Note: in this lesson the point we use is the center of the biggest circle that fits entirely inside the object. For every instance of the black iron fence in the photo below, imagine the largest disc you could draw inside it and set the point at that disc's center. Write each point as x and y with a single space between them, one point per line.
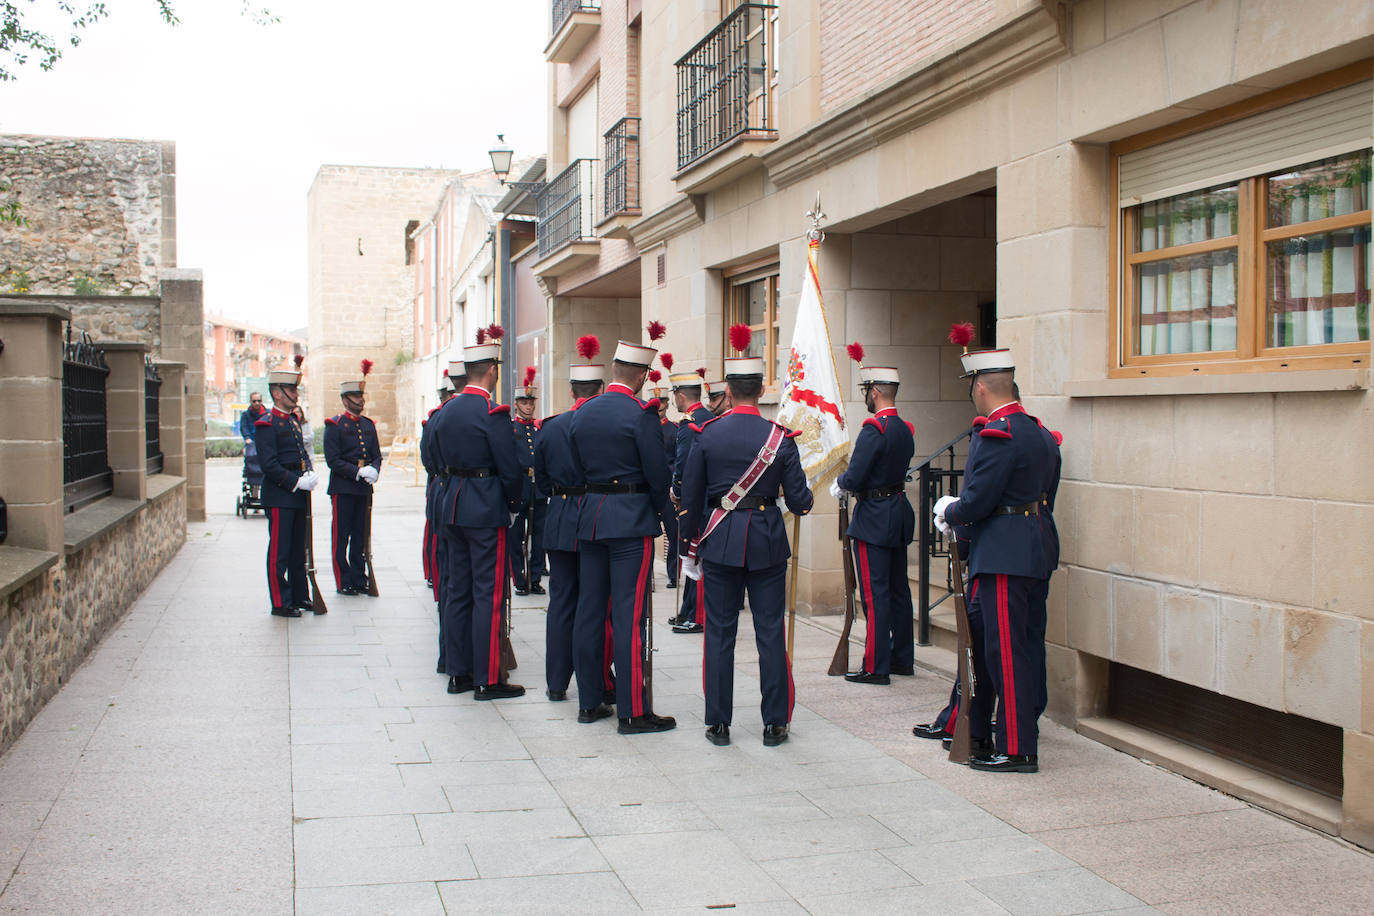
152 393
563 10
933 482
86 474
723 84
622 167
566 207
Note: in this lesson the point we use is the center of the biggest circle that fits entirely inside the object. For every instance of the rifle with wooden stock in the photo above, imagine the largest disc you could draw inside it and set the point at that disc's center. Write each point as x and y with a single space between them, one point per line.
316 599
508 663
367 551
961 747
839 664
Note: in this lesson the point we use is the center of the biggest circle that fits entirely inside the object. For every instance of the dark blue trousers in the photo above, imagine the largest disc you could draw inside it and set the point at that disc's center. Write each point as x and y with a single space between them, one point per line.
287 583
890 635
1039 621
614 572
347 539
725 587
558 625
535 561
474 599
1007 637
670 543
693 601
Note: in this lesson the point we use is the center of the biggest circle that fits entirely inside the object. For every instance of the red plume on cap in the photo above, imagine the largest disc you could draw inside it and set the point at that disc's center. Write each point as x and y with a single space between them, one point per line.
655 375
667 360
656 330
740 336
367 367
300 358
701 371
529 376
495 332
961 334
481 336
588 346
856 352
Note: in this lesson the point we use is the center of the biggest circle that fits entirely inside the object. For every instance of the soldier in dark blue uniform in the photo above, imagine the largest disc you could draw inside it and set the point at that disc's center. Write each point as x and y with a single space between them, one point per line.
659 394
455 376
687 386
617 446
526 571
287 482
481 490
1009 479
558 479
354 457
738 538
881 528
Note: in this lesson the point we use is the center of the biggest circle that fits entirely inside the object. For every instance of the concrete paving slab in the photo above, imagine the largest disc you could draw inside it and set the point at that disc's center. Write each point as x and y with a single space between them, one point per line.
848 872
417 899
595 893
1054 893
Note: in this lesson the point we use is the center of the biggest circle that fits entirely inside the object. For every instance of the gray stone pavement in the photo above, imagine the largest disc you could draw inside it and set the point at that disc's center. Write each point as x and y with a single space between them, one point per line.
211 758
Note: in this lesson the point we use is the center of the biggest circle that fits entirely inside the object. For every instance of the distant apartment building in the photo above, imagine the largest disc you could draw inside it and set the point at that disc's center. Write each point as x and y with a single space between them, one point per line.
238 357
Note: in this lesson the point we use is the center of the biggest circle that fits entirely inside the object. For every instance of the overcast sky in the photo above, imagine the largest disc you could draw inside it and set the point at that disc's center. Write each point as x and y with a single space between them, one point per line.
256 110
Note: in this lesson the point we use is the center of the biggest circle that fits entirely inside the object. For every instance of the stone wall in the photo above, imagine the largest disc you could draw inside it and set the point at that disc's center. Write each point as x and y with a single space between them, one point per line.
29 672
100 217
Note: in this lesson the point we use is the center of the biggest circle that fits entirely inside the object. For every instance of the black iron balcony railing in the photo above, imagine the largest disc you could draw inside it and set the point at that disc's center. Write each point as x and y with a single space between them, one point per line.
86 474
622 167
723 84
152 392
563 10
566 207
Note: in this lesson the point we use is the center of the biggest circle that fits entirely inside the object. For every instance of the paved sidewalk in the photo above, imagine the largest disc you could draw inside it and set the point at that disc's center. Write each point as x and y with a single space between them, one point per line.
211 758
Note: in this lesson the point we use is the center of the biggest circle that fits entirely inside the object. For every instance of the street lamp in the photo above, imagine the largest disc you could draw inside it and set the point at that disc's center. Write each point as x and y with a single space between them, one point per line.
501 155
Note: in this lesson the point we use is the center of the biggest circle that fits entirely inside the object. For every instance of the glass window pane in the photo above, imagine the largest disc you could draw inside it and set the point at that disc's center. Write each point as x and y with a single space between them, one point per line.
1194 217
1318 288
1332 187
1187 305
758 302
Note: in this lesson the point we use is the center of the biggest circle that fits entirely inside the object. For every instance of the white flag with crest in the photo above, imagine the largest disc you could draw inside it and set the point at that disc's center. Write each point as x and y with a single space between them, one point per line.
811 400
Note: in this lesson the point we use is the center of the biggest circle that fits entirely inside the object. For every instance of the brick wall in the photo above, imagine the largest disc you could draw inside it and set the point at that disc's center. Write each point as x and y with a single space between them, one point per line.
864 42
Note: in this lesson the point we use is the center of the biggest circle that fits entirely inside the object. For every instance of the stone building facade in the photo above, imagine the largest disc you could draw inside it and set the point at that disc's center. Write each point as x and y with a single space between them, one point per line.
1125 193
238 355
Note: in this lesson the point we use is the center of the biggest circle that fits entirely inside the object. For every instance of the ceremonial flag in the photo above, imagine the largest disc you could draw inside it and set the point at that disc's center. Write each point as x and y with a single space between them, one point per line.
811 399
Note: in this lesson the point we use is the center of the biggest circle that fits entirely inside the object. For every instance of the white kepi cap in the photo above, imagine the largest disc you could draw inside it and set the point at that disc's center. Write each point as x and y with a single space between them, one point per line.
283 377
586 373
743 366
878 375
479 352
986 361
685 380
457 369
634 354
355 387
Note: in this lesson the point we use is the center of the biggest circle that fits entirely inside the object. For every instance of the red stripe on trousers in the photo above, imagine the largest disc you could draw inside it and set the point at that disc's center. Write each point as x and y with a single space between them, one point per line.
953 715
425 551
701 601
1008 670
272 535
498 596
434 571
334 540
871 636
636 636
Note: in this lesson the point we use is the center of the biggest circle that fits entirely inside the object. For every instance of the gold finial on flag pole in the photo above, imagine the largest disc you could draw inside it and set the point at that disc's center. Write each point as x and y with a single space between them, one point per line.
817 216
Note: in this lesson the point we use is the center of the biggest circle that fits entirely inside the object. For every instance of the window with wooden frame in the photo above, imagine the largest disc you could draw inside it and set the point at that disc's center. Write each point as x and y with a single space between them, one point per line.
751 297
1243 236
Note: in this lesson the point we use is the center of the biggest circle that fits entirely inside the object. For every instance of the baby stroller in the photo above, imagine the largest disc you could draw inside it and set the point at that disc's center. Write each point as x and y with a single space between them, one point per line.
250 500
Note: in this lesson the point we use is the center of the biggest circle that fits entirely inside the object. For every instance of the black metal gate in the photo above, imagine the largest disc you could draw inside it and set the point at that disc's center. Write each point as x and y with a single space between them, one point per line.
152 392
86 474
933 482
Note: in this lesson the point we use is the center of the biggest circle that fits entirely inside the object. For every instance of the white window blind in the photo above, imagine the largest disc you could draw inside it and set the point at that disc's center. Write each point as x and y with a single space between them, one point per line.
1325 125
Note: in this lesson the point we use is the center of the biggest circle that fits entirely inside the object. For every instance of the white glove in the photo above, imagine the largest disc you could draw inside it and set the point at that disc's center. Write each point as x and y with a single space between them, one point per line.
835 489
942 525
943 503
513 517
690 567
367 474
308 481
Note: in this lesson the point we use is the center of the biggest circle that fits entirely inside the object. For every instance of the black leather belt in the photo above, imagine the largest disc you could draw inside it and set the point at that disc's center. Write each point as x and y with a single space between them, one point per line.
881 492
470 472
1023 509
748 502
568 491
294 465
617 488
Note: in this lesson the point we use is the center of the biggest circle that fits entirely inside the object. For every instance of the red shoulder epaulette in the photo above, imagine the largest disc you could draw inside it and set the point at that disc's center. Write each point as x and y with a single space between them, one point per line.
787 433
433 411
996 432
499 408
698 427
649 405
980 421
267 421
911 427
1058 436
424 422
876 424
332 421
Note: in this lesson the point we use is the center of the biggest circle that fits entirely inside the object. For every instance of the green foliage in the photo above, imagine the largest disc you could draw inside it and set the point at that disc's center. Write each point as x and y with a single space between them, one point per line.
404 356
228 447
10 209
17 281
86 285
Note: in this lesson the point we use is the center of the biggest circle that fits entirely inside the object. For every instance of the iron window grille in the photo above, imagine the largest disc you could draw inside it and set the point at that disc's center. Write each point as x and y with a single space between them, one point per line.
86 474
622 167
723 84
566 207
563 10
152 393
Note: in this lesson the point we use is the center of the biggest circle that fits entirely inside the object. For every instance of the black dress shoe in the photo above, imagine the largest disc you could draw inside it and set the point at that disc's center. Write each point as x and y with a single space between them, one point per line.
867 677
588 716
773 735
286 612
522 592
556 696
672 583
304 606
347 590
929 730
537 589
639 725
719 735
690 626
497 691
459 683
978 747
904 670
1005 763
608 697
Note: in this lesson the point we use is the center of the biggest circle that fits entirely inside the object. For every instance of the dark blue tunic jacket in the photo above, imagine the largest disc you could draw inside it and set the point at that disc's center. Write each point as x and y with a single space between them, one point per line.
349 439
880 459
284 457
723 451
615 439
696 415
554 466
470 433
